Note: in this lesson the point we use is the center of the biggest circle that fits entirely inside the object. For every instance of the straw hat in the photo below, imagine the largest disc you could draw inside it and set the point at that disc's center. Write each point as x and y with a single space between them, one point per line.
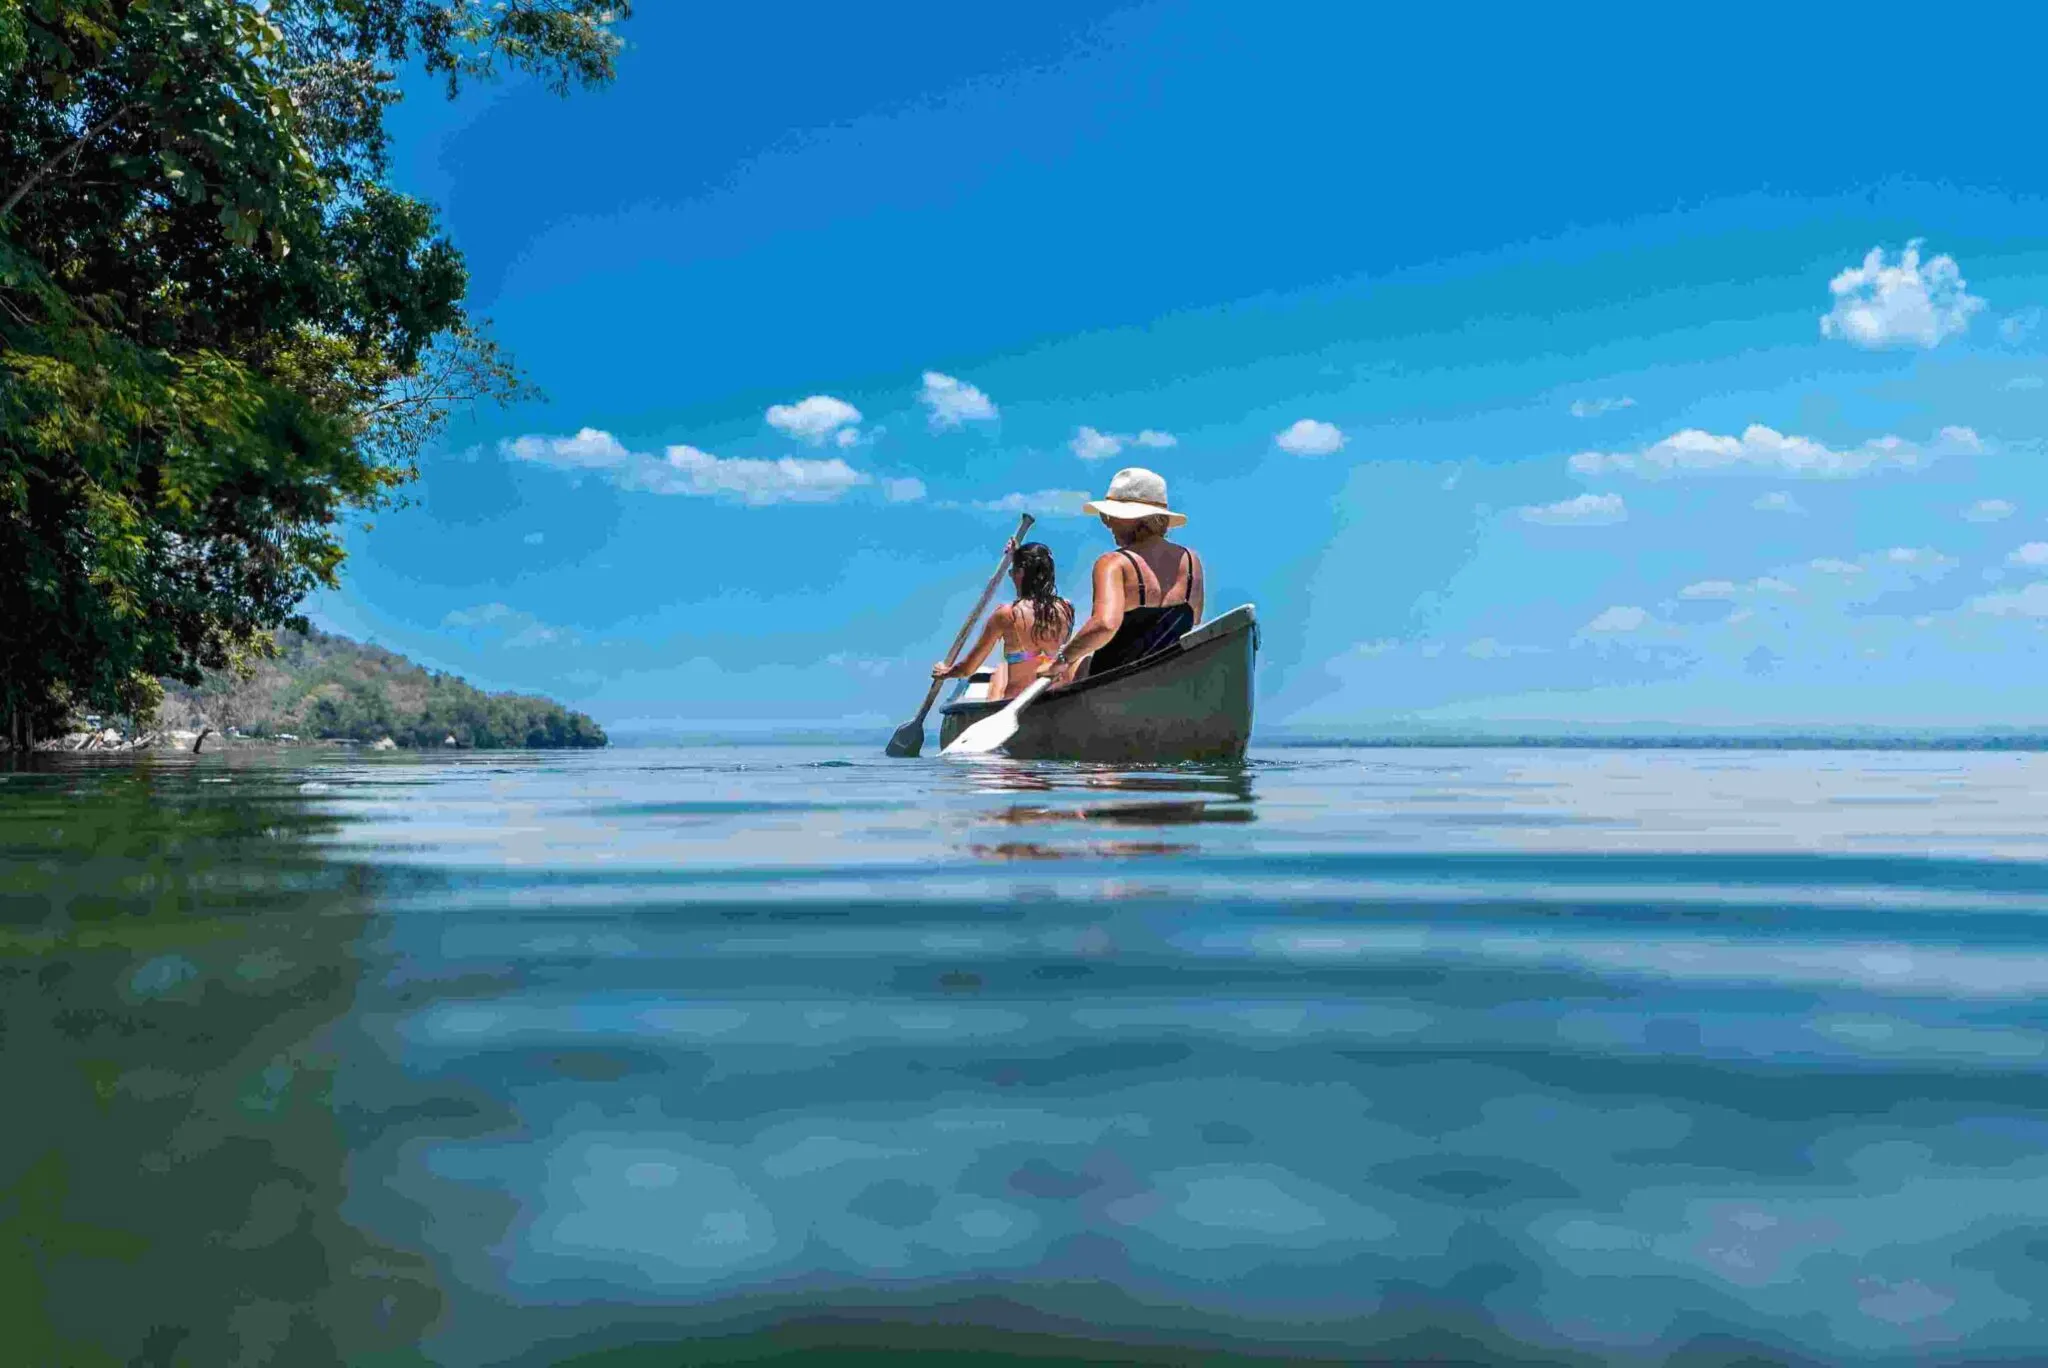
1135 492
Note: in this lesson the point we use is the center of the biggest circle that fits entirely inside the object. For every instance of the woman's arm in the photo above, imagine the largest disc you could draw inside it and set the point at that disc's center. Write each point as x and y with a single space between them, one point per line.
1196 578
998 626
1101 624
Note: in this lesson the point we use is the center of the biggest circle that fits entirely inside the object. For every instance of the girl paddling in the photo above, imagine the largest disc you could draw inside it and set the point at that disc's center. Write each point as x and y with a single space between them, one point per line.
1032 629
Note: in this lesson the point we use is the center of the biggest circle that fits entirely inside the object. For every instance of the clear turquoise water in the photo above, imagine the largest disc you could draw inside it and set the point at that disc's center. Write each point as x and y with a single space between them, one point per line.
1542 1056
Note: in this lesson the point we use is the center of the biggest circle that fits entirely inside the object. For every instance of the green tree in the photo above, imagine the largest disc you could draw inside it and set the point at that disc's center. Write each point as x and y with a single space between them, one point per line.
221 331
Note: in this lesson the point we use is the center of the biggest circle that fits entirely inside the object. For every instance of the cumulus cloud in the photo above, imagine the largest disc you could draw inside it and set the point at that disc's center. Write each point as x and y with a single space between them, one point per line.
1587 510
1619 619
1091 445
905 490
2032 556
1908 304
2031 602
1729 589
517 630
1828 565
684 470
816 420
1310 438
2019 325
1989 510
1593 408
1044 503
954 402
1762 450
1778 501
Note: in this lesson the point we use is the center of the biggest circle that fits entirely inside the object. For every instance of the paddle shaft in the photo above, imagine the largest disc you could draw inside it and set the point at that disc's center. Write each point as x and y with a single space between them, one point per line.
932 694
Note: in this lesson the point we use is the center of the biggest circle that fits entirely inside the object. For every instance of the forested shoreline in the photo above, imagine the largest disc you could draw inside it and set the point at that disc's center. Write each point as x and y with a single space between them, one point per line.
324 687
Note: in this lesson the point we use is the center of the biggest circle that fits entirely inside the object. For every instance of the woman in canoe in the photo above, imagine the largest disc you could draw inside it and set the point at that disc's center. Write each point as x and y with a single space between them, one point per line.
1148 592
1030 629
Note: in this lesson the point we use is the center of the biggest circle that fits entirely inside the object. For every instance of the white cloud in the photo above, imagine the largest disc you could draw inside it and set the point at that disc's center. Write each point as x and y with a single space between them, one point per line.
1593 408
534 538
816 420
2025 382
2031 601
589 449
1962 439
1383 646
1916 555
1620 618
1764 450
1778 501
2019 325
1310 438
953 402
1989 510
1880 305
1587 510
2032 556
1091 445
1728 589
1828 565
906 490
1045 503
518 630
685 470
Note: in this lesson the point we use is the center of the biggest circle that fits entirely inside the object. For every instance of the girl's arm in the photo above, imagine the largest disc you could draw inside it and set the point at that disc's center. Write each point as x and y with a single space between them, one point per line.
1101 624
998 626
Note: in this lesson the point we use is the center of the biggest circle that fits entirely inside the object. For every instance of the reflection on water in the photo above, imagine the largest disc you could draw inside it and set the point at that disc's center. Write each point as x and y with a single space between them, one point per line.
1382 1056
172 951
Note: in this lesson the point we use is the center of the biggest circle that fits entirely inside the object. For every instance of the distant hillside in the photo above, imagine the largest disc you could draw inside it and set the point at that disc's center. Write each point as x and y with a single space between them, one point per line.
333 688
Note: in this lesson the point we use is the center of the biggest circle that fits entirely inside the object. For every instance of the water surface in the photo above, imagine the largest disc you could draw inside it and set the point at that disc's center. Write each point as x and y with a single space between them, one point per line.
1514 1056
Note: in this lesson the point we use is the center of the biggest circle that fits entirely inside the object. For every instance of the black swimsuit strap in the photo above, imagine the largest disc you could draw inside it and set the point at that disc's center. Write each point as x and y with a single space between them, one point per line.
1136 568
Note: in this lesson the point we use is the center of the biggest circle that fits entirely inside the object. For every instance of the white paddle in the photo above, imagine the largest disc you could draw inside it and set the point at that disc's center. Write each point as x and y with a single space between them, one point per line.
991 733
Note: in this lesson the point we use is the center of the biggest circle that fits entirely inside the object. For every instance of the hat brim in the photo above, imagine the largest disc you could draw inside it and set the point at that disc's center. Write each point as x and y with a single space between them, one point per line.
1117 508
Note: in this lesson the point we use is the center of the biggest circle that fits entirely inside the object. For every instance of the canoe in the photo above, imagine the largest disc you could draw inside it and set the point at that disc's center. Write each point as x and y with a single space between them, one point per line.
1191 701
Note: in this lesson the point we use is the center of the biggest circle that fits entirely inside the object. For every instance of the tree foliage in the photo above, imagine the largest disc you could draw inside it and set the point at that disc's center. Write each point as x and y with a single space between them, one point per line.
221 331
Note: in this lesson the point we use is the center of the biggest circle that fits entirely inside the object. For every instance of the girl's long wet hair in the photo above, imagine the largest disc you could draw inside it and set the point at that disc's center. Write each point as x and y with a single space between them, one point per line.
1035 586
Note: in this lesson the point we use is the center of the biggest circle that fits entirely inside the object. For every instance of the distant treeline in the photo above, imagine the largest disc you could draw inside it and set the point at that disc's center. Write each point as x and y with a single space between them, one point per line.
328 687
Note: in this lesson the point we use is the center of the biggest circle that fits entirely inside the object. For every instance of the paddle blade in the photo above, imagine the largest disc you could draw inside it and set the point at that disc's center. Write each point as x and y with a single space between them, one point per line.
992 733
907 740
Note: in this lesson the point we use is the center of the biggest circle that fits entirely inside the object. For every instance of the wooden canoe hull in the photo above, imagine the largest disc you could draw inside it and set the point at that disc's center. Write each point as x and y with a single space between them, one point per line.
1192 701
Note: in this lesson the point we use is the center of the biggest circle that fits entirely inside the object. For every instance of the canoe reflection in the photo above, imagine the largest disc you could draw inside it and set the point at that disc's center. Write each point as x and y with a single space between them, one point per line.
1033 850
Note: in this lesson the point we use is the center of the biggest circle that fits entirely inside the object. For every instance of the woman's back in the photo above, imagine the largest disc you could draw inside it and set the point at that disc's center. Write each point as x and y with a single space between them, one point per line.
1162 600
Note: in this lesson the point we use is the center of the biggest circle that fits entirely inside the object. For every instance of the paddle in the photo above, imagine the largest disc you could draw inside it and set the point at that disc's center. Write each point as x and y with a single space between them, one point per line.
908 739
992 732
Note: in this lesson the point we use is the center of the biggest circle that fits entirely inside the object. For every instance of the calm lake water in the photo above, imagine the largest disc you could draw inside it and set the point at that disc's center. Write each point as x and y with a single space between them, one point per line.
1496 1056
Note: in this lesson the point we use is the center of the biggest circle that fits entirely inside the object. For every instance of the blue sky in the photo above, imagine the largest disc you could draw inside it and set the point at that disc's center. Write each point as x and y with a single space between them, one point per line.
1521 369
